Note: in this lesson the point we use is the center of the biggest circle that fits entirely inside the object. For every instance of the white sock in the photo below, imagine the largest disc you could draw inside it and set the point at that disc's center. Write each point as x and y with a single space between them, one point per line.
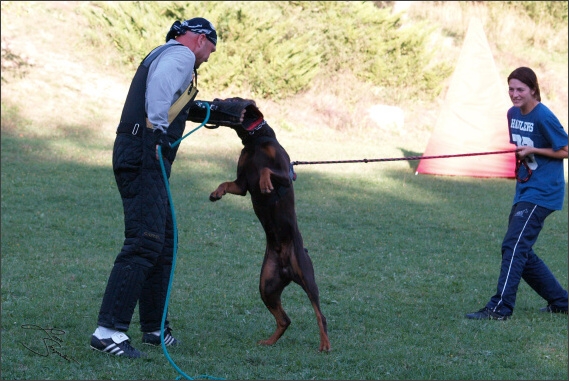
104 333
156 333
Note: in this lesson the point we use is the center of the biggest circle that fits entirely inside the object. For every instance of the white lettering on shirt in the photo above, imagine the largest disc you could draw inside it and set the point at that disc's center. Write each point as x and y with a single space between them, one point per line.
521 125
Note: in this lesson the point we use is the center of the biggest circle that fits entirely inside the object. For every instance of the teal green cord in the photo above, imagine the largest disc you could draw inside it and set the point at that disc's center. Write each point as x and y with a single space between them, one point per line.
182 374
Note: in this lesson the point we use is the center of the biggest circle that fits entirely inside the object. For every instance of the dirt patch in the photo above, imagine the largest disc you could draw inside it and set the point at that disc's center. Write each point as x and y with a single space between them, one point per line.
60 85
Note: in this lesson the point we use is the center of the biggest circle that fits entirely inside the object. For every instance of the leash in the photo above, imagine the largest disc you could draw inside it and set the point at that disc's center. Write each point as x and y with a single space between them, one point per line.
519 163
166 182
399 158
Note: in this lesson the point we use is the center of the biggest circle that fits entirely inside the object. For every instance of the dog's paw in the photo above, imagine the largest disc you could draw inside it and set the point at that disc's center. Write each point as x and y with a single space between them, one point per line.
265 181
325 347
266 342
219 192
214 196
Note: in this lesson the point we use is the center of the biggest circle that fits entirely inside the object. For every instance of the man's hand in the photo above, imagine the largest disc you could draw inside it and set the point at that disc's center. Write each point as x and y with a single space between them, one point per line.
162 142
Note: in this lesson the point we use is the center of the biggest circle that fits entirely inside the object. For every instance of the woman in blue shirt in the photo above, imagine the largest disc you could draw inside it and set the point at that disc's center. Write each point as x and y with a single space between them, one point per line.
541 147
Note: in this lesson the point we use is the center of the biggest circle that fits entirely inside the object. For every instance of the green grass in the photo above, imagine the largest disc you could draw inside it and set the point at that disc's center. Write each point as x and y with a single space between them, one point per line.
399 260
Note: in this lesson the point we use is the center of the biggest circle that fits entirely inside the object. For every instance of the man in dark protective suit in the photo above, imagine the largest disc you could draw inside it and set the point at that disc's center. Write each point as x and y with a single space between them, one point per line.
154 115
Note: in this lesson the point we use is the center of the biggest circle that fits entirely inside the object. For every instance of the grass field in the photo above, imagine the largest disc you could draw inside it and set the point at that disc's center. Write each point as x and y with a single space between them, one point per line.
399 260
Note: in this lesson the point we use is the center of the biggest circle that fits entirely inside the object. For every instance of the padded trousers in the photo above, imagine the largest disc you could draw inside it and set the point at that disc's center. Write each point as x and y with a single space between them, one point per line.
141 271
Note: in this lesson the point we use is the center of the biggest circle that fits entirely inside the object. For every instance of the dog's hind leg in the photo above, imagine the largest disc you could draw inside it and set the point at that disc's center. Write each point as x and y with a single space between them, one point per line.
271 286
305 278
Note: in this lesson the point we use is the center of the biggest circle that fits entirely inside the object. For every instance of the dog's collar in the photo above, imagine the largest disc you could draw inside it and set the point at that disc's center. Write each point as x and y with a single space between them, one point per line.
261 134
257 127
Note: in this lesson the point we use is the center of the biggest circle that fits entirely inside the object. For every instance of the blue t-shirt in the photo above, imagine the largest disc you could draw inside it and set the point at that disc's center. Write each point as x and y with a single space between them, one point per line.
540 128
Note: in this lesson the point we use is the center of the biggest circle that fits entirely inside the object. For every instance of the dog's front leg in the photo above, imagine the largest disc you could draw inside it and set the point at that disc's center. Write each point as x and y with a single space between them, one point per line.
224 188
265 182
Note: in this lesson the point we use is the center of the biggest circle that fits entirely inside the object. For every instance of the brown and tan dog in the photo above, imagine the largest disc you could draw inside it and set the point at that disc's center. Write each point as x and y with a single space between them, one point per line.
264 170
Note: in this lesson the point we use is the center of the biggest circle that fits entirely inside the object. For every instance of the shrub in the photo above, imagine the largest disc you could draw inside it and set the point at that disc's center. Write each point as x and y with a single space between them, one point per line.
275 49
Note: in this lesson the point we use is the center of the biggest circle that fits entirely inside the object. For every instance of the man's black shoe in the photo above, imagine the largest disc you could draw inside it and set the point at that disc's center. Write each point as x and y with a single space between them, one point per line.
486 314
553 309
152 339
118 345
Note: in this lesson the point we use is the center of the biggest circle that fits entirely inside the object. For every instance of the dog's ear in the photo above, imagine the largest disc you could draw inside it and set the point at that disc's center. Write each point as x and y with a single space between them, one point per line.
230 112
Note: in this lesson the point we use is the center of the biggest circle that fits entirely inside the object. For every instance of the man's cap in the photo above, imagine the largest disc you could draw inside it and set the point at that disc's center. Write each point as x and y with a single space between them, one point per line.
196 25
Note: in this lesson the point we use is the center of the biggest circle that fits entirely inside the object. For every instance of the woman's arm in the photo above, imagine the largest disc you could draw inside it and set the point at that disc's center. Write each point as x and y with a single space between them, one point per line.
524 151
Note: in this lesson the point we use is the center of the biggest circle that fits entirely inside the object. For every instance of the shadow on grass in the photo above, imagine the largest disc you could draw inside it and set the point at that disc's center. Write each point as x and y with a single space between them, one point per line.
389 249
413 164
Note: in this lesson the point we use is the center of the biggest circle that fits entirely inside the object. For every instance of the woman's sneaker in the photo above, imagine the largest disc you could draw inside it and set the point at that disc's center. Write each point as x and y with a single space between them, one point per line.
153 339
486 314
553 309
118 345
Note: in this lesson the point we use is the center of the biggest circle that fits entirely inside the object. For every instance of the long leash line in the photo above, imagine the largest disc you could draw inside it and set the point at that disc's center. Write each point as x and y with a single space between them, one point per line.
519 163
400 158
175 253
